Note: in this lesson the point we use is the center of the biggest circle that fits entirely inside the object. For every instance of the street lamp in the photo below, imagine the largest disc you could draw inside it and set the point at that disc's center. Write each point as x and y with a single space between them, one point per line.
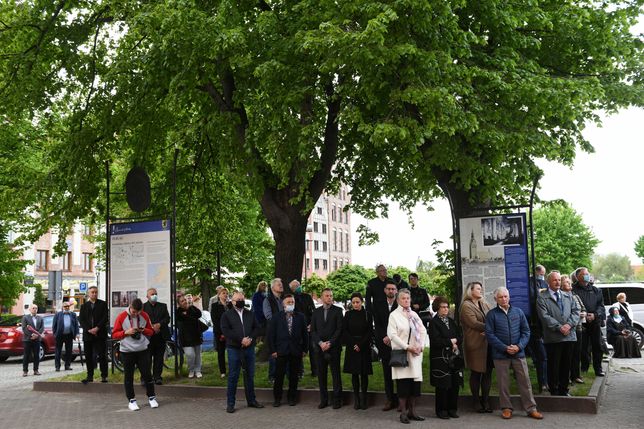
309 228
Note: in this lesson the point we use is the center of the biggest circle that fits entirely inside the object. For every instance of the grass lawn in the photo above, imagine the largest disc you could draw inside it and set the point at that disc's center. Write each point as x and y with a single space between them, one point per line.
212 378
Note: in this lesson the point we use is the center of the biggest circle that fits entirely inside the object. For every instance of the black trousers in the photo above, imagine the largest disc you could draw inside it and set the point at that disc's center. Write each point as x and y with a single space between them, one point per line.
156 350
575 358
96 347
559 358
333 361
68 340
31 352
293 363
446 399
385 355
142 361
591 345
220 346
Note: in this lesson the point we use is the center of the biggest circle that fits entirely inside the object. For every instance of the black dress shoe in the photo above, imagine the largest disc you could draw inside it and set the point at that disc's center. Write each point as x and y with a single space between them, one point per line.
87 380
404 419
337 405
416 418
600 374
323 404
292 402
158 381
255 405
103 379
452 414
443 415
230 409
68 368
277 403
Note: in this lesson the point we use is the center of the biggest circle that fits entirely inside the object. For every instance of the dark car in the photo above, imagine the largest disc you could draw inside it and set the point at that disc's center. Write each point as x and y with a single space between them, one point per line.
11 336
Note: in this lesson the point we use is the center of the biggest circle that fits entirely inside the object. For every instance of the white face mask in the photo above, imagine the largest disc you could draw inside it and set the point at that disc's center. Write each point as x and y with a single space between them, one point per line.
289 308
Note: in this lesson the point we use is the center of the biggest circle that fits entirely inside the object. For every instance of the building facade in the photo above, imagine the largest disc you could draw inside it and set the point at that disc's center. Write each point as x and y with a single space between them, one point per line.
328 236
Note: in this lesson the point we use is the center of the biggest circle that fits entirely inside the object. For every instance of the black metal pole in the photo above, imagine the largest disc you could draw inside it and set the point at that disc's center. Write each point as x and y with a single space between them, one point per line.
218 267
173 265
531 291
108 283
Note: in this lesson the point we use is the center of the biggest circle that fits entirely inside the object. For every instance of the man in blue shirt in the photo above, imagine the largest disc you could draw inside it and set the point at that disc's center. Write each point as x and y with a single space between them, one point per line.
65 329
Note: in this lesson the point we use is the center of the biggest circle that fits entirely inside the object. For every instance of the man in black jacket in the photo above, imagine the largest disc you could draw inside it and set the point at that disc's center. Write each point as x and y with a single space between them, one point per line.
160 318
240 328
593 300
94 318
32 329
376 288
304 304
419 296
287 341
381 313
326 330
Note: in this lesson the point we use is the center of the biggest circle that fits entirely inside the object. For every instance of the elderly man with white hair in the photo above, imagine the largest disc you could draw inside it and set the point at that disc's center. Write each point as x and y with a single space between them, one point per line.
32 329
507 332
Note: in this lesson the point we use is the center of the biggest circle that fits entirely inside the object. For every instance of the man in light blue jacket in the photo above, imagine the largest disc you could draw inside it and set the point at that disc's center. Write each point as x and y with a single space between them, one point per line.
559 316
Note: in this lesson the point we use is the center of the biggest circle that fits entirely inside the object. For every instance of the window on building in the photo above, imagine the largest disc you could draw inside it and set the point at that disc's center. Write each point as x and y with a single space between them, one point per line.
333 212
67 261
87 230
324 249
324 228
42 258
307 244
319 210
346 217
346 262
316 263
335 264
341 241
335 240
340 214
87 262
325 265
308 264
316 245
346 241
315 227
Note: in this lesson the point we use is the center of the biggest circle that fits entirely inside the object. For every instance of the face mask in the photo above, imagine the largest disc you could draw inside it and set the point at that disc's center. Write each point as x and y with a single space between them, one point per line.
299 289
586 278
289 308
540 277
239 304
154 298
66 310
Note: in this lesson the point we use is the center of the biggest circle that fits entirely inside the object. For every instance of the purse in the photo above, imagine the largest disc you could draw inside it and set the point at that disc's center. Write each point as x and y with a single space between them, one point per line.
399 357
375 353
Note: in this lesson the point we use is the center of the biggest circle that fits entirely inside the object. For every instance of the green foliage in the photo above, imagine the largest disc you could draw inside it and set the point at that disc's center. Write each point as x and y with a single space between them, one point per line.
11 271
561 239
639 247
443 275
612 268
315 284
39 297
348 279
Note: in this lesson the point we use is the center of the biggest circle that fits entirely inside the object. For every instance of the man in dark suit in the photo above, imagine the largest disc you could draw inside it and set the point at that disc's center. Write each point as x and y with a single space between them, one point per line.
326 330
381 311
94 319
65 329
160 318
287 341
32 329
375 288
240 328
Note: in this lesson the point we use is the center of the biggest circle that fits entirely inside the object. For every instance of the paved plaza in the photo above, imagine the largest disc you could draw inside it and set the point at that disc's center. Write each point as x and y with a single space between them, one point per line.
20 407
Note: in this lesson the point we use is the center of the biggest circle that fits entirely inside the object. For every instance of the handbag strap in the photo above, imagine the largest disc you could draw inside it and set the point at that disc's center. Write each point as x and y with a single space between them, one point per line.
409 336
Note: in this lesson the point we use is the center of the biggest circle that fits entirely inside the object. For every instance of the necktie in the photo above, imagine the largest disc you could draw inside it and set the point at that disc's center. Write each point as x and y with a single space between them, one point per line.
325 311
559 301
289 320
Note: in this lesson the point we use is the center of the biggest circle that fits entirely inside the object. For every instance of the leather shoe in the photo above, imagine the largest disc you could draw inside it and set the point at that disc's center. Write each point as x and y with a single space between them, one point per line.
292 402
535 415
404 419
600 374
388 406
87 380
103 379
255 405
336 405
443 415
36 373
507 413
416 418
24 374
322 404
230 409
68 368
452 414
277 403
58 369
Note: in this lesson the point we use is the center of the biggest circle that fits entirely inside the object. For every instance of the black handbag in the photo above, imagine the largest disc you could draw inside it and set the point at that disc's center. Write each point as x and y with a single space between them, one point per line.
455 361
399 357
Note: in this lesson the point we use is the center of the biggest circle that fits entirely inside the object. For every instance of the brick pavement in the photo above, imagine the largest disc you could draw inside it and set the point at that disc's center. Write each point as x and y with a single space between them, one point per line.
622 407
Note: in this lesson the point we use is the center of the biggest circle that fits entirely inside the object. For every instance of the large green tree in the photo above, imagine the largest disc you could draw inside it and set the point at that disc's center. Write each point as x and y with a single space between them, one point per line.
561 239
11 271
612 267
639 247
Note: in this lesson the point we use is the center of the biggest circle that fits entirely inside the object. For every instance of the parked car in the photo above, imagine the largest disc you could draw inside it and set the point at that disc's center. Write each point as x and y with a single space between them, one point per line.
11 336
634 296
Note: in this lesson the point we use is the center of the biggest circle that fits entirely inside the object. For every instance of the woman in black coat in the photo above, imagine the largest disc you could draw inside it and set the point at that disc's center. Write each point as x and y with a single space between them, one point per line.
190 335
218 308
446 371
618 333
357 328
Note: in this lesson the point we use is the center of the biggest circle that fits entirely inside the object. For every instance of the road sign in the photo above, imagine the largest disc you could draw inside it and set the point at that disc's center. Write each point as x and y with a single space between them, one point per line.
82 287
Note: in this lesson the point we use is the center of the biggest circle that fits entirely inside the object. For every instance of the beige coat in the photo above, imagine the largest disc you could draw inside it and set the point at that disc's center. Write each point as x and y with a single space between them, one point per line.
398 332
474 344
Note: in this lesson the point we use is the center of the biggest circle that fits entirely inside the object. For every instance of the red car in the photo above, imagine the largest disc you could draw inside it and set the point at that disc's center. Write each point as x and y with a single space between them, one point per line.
11 336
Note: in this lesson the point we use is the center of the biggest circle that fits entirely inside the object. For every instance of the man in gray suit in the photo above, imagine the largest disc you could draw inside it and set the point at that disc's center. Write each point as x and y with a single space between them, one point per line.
32 329
559 315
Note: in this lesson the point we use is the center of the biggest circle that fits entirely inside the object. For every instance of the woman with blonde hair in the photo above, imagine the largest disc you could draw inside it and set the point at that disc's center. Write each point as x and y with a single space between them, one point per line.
218 308
477 359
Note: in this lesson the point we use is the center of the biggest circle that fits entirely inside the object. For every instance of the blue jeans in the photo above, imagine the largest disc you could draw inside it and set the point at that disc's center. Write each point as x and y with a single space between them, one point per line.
235 358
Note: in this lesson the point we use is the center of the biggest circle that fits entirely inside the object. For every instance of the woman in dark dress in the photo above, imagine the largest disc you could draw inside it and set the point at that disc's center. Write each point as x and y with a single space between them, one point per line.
618 332
445 340
357 330
216 310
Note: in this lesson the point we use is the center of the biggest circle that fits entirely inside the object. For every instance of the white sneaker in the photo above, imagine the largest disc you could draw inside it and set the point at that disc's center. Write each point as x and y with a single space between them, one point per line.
198 374
191 374
153 402
223 375
133 406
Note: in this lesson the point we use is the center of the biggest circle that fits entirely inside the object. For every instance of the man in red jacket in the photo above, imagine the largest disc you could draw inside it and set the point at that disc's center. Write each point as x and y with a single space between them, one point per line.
133 328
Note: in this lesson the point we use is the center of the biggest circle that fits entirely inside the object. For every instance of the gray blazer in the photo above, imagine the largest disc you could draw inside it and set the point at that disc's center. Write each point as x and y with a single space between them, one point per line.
552 318
27 320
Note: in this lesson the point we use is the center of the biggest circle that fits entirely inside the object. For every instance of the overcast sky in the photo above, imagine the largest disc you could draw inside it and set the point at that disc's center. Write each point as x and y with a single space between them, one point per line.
605 187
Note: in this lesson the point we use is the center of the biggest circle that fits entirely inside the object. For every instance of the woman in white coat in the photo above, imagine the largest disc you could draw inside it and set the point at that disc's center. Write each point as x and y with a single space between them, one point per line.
406 332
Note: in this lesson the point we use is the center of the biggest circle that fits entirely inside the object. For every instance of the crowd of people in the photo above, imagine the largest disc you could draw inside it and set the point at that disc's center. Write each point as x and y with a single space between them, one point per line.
389 325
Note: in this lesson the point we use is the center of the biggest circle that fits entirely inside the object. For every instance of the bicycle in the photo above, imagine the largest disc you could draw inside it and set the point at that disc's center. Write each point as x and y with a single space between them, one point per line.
171 348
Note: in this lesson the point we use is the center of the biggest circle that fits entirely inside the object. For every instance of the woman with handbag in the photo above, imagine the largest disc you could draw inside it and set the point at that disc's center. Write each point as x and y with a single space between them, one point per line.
407 335
445 359
190 335
357 333
475 347
218 308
